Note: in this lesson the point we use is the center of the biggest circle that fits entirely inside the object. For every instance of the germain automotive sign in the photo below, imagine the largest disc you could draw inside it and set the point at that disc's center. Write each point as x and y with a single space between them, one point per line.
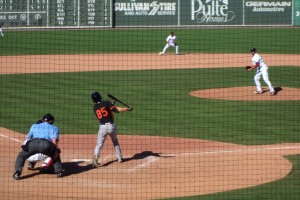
268 6
268 12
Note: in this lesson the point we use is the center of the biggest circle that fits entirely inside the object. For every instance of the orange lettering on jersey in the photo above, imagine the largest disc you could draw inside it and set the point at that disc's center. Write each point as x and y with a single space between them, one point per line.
102 112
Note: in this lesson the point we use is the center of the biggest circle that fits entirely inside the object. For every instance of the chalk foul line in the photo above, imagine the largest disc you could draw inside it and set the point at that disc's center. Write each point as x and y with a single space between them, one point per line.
151 159
13 139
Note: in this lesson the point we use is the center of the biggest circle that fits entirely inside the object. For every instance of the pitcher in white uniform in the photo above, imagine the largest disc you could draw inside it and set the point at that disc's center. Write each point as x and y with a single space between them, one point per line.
171 42
262 70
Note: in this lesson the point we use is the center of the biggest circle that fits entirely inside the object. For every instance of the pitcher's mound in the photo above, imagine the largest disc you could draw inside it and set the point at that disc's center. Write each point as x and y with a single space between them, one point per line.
247 94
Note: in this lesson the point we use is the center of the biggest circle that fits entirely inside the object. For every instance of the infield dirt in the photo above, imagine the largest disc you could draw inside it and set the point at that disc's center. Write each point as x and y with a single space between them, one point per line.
154 167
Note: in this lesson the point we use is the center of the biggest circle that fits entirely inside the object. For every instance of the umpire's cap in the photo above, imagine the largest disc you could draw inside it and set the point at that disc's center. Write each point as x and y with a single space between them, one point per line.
48 118
96 96
253 50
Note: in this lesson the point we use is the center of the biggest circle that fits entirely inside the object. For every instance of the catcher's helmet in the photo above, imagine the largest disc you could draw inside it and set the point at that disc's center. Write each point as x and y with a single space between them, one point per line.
96 96
48 118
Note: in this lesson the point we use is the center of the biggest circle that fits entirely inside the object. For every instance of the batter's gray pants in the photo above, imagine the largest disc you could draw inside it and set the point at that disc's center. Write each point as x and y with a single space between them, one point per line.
111 130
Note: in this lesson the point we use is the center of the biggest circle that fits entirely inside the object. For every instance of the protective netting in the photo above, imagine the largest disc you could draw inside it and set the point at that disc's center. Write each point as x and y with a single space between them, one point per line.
184 118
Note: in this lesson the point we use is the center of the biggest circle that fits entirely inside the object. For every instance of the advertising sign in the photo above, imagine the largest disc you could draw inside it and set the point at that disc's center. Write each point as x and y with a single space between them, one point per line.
148 13
212 12
268 12
145 12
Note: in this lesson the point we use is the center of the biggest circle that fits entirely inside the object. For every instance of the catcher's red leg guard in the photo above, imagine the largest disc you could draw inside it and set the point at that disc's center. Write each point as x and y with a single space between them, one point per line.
47 163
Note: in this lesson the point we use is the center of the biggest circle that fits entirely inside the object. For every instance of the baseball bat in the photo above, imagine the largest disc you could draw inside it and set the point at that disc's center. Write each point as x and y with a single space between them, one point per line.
116 99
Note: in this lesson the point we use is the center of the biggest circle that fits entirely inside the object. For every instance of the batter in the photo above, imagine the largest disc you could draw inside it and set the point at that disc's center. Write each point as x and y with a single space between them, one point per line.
104 113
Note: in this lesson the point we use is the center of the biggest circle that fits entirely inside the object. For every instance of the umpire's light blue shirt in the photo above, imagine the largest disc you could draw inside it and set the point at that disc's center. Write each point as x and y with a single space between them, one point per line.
43 131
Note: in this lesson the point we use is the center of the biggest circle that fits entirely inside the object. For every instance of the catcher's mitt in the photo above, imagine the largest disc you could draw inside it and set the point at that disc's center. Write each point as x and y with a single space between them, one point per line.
247 67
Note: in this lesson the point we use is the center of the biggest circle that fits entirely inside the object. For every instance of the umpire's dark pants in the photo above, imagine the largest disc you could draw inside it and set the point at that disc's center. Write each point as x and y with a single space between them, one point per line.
37 146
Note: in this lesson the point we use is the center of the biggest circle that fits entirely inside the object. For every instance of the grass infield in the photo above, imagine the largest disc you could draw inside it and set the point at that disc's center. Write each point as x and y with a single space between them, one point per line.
161 101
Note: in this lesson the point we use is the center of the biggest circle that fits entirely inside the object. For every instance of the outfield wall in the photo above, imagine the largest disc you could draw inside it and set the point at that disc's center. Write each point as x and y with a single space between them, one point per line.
296 14
139 13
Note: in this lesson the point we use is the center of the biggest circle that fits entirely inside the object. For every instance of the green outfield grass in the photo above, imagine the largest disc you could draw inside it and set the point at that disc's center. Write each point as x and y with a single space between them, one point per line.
161 101
222 40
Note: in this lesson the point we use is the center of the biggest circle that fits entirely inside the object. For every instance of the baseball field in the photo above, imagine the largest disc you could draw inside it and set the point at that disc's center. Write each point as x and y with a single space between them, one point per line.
197 131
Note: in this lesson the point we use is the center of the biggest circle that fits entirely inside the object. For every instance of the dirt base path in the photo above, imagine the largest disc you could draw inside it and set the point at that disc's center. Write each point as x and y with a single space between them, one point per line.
154 167
107 62
96 62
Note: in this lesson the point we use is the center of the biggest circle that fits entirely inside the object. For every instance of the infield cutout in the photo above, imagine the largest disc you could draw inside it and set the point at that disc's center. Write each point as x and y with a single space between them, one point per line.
205 166
247 94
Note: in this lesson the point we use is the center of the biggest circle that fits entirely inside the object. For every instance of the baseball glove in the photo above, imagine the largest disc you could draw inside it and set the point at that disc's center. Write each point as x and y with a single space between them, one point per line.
247 67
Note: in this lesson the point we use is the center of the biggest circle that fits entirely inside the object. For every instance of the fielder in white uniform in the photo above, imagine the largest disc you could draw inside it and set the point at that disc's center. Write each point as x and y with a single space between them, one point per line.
171 42
262 70
1 32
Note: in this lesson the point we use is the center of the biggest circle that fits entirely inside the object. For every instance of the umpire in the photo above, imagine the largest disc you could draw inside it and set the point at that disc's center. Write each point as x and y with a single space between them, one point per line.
42 138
